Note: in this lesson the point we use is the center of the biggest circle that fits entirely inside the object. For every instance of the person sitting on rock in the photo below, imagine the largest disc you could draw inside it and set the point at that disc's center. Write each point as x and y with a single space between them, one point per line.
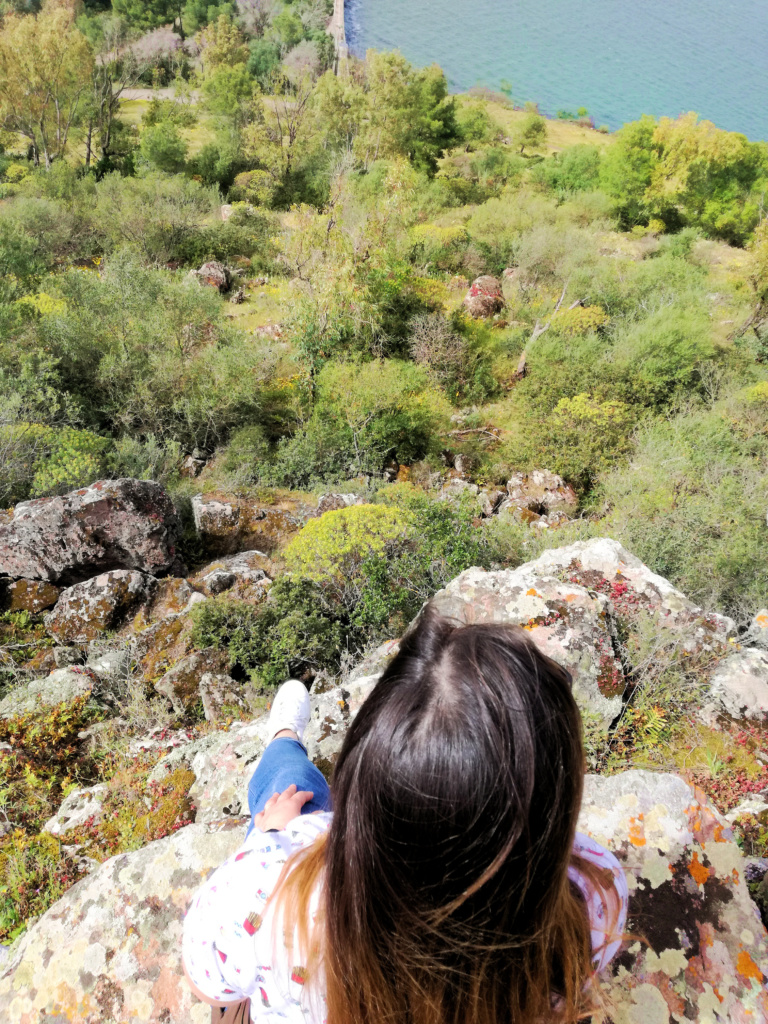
449 884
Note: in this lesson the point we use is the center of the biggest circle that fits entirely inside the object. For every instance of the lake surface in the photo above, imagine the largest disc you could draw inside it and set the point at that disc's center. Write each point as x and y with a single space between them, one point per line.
617 58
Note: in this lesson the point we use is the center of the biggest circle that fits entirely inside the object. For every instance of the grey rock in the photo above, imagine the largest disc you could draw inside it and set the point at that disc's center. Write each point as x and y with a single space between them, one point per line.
76 809
113 524
221 696
103 602
110 949
739 685
65 684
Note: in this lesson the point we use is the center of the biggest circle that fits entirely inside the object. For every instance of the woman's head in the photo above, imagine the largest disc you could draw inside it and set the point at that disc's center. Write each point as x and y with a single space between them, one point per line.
456 795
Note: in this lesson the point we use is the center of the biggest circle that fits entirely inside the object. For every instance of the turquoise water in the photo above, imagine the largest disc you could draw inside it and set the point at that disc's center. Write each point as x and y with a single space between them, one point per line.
618 59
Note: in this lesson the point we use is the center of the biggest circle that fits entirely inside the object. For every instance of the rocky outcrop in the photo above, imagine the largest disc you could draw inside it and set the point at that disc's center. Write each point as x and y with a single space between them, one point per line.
61 686
541 492
110 949
214 275
246 576
181 684
739 686
484 297
87 609
113 524
227 525
333 502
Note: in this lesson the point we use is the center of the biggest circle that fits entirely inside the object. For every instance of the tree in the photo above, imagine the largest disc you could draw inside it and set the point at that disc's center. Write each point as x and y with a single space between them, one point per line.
117 68
45 72
532 132
221 43
149 14
163 147
408 112
198 13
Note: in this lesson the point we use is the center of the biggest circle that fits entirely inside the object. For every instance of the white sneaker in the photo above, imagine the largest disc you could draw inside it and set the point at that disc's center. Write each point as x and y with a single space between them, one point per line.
290 709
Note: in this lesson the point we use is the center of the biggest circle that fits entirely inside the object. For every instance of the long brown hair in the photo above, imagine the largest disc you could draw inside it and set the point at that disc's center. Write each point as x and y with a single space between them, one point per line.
445 891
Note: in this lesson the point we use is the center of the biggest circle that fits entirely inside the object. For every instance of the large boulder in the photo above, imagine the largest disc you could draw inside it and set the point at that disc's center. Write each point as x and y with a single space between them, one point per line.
59 687
87 609
113 524
246 576
181 684
739 686
227 524
484 297
696 948
110 949
215 275
696 951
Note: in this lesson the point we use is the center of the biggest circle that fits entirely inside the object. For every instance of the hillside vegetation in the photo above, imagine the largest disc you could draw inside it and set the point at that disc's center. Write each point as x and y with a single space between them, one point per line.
350 214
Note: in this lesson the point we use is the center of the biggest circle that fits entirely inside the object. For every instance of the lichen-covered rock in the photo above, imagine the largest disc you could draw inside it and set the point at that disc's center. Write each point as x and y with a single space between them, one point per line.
170 596
697 950
215 275
63 685
33 596
332 711
181 684
246 576
113 524
333 502
222 763
80 806
540 491
110 949
103 602
739 686
567 622
484 297
226 525
222 697
161 645
604 565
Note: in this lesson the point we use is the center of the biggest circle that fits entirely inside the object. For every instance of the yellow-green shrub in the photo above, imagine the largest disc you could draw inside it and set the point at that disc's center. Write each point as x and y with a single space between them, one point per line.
335 544
580 320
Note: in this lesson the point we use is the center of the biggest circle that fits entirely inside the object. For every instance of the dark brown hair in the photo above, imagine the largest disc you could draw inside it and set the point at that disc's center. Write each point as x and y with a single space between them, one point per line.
446 897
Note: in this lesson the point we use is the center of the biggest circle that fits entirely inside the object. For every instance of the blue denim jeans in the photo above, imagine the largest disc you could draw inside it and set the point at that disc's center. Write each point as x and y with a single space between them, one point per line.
285 763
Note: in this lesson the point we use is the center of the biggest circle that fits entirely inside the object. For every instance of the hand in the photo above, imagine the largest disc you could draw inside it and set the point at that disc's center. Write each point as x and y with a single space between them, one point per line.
281 808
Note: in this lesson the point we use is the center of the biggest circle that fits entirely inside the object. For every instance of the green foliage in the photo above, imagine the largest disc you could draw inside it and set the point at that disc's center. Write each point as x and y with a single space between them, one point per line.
363 413
295 632
264 60
168 111
576 169
335 545
35 872
692 503
532 133
163 147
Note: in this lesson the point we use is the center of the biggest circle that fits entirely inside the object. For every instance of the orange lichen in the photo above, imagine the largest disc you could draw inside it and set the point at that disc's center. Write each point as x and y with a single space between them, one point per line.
637 831
698 872
532 592
747 967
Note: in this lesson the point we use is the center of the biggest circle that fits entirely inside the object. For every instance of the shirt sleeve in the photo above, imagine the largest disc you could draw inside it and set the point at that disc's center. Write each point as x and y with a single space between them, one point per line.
606 904
226 912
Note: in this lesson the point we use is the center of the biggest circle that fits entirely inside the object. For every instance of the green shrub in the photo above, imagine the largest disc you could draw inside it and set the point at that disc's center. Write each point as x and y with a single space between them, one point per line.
294 633
576 169
333 546
163 147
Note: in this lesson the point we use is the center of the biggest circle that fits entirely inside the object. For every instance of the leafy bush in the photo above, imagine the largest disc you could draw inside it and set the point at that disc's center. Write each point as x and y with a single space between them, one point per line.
580 320
163 147
294 633
49 460
333 546
576 169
